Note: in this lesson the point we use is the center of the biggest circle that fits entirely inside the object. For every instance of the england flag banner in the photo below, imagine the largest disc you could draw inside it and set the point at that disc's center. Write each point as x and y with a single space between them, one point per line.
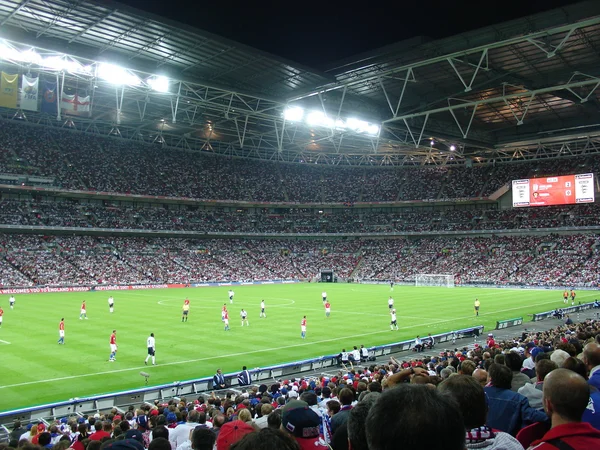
75 104
29 93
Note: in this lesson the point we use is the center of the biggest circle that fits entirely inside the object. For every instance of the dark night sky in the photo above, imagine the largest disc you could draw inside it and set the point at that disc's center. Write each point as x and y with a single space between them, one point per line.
316 33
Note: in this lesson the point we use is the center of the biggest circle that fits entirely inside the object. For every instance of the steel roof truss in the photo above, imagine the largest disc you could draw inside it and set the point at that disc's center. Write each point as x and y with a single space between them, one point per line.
512 106
543 46
590 92
484 57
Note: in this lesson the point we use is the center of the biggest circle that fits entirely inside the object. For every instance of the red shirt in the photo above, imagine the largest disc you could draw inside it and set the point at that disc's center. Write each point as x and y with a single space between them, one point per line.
226 316
186 302
303 323
113 338
327 305
224 308
83 305
61 326
1 312
99 435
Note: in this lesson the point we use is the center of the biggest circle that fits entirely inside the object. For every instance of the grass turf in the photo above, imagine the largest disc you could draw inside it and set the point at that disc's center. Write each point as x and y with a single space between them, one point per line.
36 370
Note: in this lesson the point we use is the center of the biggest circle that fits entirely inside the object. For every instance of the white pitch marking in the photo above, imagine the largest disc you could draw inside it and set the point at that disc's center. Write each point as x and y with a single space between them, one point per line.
4 342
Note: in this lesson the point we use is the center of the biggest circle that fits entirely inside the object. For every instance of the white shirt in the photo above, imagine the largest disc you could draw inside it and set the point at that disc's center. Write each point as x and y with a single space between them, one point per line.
231 293
391 301
324 294
262 305
151 342
243 314
181 433
356 355
418 341
393 317
110 300
11 299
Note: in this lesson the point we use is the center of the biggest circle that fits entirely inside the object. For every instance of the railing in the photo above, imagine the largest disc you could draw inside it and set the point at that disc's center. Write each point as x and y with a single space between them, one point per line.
564 311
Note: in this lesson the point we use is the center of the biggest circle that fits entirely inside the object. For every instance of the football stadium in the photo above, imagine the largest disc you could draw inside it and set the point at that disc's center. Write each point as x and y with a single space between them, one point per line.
205 245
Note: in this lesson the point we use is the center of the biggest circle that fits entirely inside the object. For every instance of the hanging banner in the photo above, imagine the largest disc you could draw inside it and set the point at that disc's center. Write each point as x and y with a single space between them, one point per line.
75 104
29 93
9 90
49 97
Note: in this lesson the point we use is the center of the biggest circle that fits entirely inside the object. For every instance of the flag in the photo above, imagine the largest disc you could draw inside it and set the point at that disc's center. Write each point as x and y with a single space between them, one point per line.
9 90
75 104
49 98
29 93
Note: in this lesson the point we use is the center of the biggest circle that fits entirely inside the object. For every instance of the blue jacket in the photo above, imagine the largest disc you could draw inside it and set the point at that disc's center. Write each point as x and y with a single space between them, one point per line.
591 414
595 380
510 411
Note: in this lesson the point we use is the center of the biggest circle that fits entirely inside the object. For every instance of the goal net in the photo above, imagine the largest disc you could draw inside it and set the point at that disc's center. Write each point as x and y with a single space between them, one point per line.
434 279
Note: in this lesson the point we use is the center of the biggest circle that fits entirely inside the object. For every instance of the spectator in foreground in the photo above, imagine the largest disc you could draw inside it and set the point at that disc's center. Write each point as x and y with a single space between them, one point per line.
508 411
566 396
533 392
412 416
267 439
303 424
591 358
470 396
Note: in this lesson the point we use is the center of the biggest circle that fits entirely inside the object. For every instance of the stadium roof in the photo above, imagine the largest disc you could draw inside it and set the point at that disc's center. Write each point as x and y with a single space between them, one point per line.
522 89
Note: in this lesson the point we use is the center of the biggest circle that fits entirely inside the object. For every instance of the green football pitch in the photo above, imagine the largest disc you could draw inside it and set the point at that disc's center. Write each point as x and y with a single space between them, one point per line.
36 370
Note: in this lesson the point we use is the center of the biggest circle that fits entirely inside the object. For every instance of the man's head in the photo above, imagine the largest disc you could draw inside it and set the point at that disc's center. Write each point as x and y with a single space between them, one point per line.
203 438
356 422
480 376
566 396
513 361
543 368
500 376
591 355
411 415
346 396
467 367
470 396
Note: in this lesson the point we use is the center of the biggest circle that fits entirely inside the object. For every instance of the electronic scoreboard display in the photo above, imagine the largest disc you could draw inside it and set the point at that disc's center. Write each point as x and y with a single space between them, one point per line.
560 190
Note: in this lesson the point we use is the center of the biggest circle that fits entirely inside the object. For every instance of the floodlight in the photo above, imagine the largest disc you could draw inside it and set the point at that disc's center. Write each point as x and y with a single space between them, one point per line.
452 148
117 75
30 56
293 114
159 83
8 52
373 129
432 142
318 118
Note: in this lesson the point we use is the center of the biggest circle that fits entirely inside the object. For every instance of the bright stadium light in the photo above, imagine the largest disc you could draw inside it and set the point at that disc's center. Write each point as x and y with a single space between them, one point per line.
30 56
319 119
293 114
117 75
373 129
158 83
452 147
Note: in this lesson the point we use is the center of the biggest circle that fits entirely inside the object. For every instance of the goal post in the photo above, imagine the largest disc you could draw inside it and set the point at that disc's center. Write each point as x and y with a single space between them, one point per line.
434 279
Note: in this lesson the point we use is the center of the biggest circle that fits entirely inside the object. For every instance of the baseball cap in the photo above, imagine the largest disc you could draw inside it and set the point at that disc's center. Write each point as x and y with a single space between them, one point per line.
302 422
231 432
142 421
135 434
530 345
293 394
536 351
171 417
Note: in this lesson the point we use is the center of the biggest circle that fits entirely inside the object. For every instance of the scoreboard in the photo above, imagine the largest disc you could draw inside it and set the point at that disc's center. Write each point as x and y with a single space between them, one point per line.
560 190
